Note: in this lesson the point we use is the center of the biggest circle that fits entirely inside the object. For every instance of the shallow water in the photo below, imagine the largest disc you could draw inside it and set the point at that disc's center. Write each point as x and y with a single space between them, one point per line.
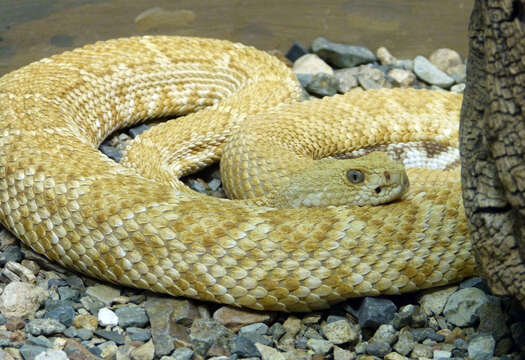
32 29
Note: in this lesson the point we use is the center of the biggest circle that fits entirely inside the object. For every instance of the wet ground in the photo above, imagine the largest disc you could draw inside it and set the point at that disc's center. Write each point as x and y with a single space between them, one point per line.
32 29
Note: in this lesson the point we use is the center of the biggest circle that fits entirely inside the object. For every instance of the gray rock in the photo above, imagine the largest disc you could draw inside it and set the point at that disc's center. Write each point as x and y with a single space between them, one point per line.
108 350
276 331
137 130
459 73
103 293
111 336
431 74
405 343
401 77
159 311
3 320
481 345
91 304
295 51
341 55
244 347
132 315
39 341
421 335
434 300
375 311
183 353
76 283
422 351
347 80
319 346
269 353
323 84
67 293
64 314
45 327
206 332
340 332
403 317
11 253
257 328
30 352
138 334
385 333
378 348
111 152
405 64
52 354
458 88
492 319
462 306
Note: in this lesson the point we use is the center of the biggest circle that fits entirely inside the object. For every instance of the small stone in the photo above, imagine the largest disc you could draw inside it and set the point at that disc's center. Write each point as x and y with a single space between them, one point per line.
458 88
422 351
39 341
384 56
138 334
31 351
341 55
295 52
206 332
421 335
132 315
340 332
323 84
14 323
269 353
21 299
256 328
244 347
444 59
110 335
385 333
67 293
107 317
404 316
375 311
481 345
234 319
276 331
111 152
91 304
144 352
183 353
459 74
405 342
137 130
23 273
319 346
64 314
406 64
108 350
341 354
3 320
402 78
431 74
45 327
378 348
52 354
462 306
292 325
11 253
311 64
103 293
395 356
442 354
347 80
86 321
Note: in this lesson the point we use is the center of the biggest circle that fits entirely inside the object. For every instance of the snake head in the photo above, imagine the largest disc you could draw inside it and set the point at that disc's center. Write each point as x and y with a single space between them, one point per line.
373 179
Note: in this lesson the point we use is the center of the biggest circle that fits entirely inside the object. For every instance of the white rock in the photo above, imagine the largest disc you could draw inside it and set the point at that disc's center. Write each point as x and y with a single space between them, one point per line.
445 59
107 317
21 299
402 78
269 353
52 354
384 56
311 64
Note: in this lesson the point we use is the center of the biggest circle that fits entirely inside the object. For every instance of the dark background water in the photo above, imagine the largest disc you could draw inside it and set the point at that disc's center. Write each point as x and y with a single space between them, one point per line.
32 29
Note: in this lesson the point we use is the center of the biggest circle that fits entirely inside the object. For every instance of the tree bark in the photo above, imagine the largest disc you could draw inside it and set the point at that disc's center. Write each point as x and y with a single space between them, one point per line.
492 143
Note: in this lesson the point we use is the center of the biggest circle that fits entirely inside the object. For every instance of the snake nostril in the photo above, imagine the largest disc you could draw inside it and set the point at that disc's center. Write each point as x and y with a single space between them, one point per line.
378 190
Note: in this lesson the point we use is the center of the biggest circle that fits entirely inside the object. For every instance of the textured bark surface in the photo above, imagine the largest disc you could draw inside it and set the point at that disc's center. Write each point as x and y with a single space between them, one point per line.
492 143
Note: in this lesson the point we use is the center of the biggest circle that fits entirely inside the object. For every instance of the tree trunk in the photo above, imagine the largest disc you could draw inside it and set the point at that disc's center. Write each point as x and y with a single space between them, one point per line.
492 143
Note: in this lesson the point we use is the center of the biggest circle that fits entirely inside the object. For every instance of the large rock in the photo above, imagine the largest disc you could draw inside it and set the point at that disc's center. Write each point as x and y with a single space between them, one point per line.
21 299
492 144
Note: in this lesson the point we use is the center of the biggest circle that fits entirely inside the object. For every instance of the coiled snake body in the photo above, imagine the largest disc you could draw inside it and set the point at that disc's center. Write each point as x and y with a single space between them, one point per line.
68 201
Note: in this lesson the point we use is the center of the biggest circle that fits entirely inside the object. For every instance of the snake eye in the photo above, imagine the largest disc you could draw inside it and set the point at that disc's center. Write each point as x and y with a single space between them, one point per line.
355 176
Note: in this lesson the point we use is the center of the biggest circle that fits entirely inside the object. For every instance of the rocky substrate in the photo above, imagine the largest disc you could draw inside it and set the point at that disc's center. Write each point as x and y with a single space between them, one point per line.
47 312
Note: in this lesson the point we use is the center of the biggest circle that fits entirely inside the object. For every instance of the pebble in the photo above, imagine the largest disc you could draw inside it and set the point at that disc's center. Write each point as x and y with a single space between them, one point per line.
347 80
111 152
103 293
430 74
405 342
21 299
462 306
30 352
85 321
110 335
108 350
458 88
311 64
384 56
39 341
45 327
207 332
269 353
234 319
322 84
144 352
11 253
65 314
131 315
319 346
402 78
481 345
183 353
52 354
295 51
340 332
341 55
433 301
421 351
375 311
138 334
107 317
445 59
244 347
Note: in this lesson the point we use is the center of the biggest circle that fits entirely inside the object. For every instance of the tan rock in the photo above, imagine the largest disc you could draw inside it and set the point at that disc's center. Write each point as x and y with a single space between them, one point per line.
445 59
86 321
311 64
384 56
21 299
144 352
234 319
402 78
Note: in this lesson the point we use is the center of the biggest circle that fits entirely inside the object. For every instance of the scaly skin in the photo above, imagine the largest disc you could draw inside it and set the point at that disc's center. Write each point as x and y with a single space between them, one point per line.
68 201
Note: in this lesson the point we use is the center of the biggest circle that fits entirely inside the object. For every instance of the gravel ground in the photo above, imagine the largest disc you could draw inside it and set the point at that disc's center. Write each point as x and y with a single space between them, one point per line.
47 312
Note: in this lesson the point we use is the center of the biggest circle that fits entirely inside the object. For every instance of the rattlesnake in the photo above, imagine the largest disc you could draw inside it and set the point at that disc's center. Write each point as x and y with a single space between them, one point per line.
65 199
